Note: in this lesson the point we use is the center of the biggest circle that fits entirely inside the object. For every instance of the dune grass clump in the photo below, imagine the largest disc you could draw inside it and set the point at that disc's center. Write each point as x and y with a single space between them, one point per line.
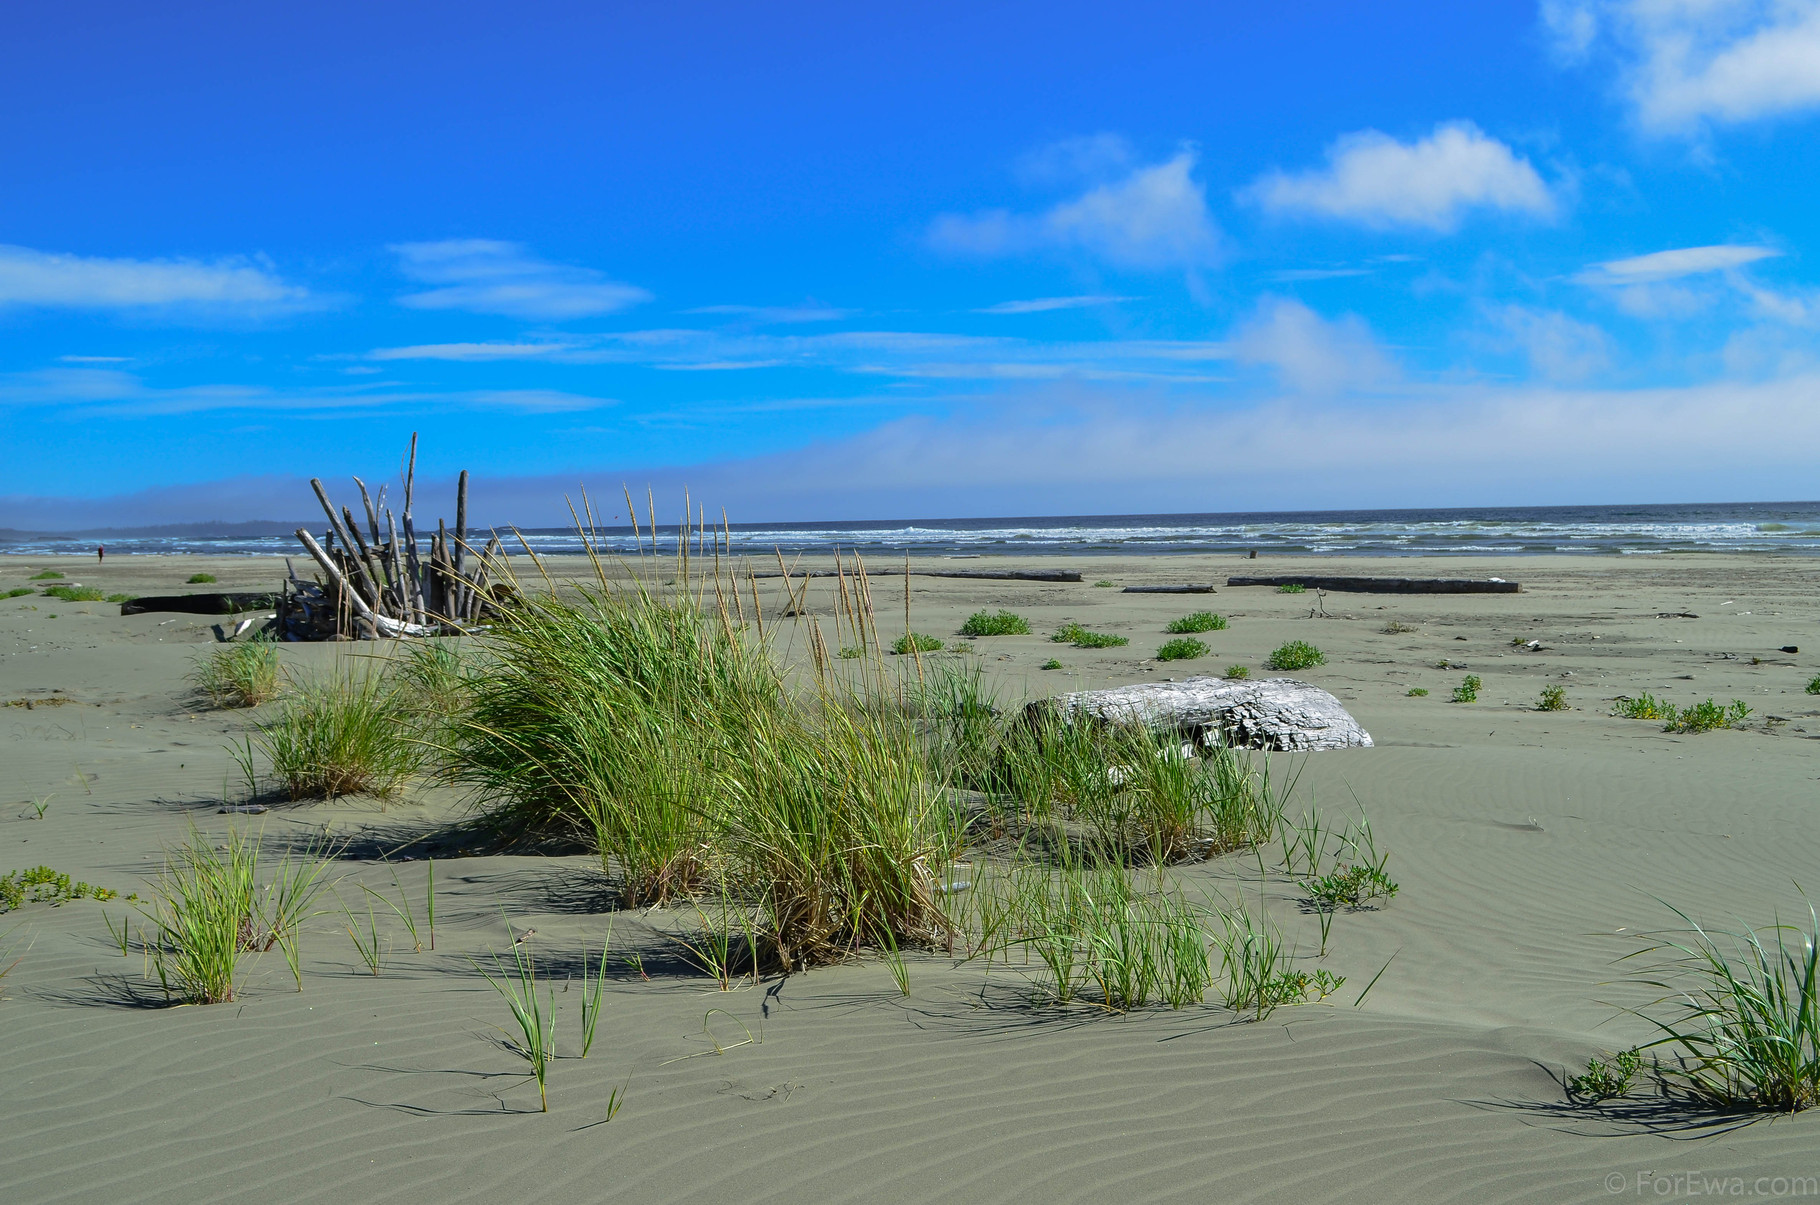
1292 588
197 579
1745 1017
915 642
43 885
1081 638
1182 648
1200 621
1296 654
17 592
202 918
239 675
46 576
76 593
1000 623
347 732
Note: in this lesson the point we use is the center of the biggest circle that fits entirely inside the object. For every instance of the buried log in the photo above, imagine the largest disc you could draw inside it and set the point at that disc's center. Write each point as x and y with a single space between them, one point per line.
1273 713
1384 585
990 575
218 603
1168 590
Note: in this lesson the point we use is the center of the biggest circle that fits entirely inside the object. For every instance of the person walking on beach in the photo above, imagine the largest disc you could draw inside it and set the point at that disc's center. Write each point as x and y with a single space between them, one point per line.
101 552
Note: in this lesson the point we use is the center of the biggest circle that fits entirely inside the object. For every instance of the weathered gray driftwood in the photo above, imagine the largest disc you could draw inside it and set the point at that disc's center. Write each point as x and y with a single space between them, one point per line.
1384 585
1273 713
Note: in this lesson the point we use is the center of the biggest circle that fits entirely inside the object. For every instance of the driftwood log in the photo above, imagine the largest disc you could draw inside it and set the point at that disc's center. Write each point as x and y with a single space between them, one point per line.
1384 585
377 582
1167 590
993 575
217 603
1274 713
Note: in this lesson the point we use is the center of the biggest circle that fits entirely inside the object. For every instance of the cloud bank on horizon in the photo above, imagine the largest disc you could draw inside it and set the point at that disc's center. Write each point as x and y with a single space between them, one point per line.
1141 262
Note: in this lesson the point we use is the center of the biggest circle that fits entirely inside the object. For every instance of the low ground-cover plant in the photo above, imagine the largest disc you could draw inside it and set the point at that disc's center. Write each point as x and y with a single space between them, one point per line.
76 593
1350 886
1417 692
915 642
1742 1013
1296 654
1468 689
1707 715
1397 627
1103 583
999 623
1292 588
239 675
1081 638
197 579
45 576
1237 673
1813 685
1553 698
1182 648
1605 1079
1052 663
17 592
1642 707
1200 621
43 885
350 731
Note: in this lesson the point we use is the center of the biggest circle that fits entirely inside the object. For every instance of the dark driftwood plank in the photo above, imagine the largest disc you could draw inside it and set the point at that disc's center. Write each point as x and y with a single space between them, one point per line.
200 604
1167 590
1006 575
1382 585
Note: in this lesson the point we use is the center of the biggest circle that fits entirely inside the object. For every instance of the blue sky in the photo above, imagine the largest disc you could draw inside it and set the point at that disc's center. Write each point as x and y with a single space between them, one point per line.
826 262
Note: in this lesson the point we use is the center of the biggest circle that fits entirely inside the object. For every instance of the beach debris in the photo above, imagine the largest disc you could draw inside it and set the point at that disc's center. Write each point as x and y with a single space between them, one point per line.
1168 590
216 603
378 583
1385 585
1791 648
1676 615
1269 713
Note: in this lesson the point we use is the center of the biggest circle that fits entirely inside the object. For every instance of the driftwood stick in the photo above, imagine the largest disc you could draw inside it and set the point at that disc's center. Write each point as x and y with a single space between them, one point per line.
367 588
412 560
372 515
335 576
397 557
461 517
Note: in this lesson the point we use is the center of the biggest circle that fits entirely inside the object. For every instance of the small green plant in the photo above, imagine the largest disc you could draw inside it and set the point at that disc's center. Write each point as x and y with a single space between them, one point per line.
1103 584
1813 685
47 575
42 885
1237 673
197 579
118 598
1001 623
1604 1080
1297 654
17 592
1706 716
1643 707
915 642
76 593
1081 638
536 1018
1554 698
1349 886
1182 648
591 988
1417 692
1200 621
1292 588
1397 627
349 733
239 675
852 652
366 946
1256 967
203 919
1468 689
1052 663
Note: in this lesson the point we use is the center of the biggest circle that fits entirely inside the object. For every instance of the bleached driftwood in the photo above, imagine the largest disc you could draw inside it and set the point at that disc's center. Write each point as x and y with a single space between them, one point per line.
1273 713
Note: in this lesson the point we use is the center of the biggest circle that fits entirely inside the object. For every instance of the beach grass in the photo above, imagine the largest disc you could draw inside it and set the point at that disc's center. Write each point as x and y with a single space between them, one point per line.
44 576
1294 655
17 592
197 579
203 917
1081 638
347 731
76 593
239 675
1200 621
534 1016
912 643
1742 1013
995 623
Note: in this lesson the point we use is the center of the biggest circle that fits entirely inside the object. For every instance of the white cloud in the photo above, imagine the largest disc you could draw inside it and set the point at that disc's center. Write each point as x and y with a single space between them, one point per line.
472 351
808 311
487 276
1559 348
1309 353
1432 183
1674 264
52 280
1044 305
1687 64
1153 219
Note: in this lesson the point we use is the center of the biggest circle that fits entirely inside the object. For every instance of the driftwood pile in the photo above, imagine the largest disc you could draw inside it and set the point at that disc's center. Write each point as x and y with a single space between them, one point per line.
377 584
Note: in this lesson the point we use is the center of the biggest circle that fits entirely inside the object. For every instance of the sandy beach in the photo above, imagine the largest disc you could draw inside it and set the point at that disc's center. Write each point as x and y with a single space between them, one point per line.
1531 849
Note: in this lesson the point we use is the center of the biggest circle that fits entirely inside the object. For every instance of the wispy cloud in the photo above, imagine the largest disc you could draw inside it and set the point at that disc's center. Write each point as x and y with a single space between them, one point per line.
1432 183
1557 346
113 392
1312 354
487 276
1672 265
1689 63
473 351
52 280
1153 219
765 315
1292 275
1043 305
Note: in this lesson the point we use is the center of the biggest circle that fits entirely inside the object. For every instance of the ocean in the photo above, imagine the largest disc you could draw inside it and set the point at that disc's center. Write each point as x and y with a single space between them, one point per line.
1730 527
